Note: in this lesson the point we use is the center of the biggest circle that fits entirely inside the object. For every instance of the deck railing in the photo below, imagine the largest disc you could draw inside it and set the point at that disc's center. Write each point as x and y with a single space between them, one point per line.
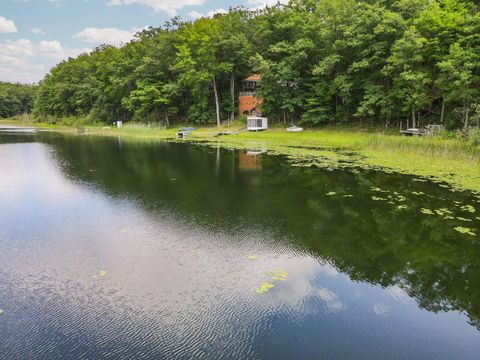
247 93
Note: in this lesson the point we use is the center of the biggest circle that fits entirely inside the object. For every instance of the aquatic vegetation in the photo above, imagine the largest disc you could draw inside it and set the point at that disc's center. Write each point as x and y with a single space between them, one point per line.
331 193
443 211
347 196
468 208
378 198
264 287
278 275
379 190
100 274
464 230
464 219
418 193
402 207
426 211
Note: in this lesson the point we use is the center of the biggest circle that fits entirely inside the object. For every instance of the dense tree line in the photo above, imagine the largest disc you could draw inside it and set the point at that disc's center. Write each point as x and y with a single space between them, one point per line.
16 99
328 61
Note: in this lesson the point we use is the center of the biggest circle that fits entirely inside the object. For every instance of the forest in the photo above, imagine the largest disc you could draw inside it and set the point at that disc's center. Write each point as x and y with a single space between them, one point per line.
408 62
16 99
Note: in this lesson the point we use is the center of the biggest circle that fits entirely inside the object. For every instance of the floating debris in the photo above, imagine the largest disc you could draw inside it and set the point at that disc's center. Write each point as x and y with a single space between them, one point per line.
264 287
331 193
464 230
468 208
426 211
251 257
278 275
1 312
123 230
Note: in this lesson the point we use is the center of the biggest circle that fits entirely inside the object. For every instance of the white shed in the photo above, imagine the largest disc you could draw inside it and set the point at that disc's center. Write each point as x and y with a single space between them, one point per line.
255 123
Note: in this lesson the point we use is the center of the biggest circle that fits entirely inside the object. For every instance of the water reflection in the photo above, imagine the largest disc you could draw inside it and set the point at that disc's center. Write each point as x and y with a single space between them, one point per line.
173 227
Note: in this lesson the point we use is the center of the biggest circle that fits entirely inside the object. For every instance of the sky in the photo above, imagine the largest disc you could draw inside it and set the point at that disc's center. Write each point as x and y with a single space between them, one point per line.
37 34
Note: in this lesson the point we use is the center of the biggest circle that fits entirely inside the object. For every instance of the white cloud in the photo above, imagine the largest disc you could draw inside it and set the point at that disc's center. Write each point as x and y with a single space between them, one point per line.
111 36
7 26
37 31
196 15
27 62
260 4
167 6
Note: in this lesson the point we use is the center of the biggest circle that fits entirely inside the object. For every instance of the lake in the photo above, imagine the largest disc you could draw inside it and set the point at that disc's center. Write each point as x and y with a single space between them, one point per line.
123 249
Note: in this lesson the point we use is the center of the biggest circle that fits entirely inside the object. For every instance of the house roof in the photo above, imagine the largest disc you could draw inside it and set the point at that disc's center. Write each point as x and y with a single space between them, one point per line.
253 78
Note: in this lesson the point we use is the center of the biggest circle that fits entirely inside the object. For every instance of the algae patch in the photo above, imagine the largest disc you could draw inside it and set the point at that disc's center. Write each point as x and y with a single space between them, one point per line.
264 287
465 230
100 274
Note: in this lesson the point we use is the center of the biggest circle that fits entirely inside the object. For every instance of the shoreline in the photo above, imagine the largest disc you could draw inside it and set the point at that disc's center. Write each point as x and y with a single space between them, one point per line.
450 161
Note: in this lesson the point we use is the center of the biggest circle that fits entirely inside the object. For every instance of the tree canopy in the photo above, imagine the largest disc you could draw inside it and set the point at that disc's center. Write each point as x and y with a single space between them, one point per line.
15 99
329 61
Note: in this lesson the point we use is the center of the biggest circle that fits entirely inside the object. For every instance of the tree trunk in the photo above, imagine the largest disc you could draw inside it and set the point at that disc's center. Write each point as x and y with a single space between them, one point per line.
217 105
467 114
413 116
232 93
167 120
284 118
157 118
443 110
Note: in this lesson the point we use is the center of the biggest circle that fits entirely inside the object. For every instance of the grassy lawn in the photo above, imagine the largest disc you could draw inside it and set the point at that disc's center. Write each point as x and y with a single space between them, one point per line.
453 161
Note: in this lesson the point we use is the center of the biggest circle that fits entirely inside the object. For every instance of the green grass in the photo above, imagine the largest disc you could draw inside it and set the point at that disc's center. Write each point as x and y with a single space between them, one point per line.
453 161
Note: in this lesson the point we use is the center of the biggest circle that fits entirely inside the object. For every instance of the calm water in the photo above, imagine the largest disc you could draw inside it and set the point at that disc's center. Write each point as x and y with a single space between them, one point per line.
121 250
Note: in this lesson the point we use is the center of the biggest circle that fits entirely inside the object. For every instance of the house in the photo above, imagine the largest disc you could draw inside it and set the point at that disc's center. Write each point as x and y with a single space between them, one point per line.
249 104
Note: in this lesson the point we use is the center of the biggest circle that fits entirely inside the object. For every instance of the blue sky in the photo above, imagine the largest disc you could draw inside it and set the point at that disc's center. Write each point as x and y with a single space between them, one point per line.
37 34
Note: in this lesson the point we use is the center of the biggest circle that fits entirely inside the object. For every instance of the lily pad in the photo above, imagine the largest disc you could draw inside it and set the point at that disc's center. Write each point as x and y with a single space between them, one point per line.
442 211
264 287
100 274
468 208
427 211
278 275
464 230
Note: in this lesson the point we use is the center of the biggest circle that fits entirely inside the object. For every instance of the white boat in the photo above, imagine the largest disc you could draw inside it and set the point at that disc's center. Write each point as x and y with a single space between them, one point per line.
294 128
